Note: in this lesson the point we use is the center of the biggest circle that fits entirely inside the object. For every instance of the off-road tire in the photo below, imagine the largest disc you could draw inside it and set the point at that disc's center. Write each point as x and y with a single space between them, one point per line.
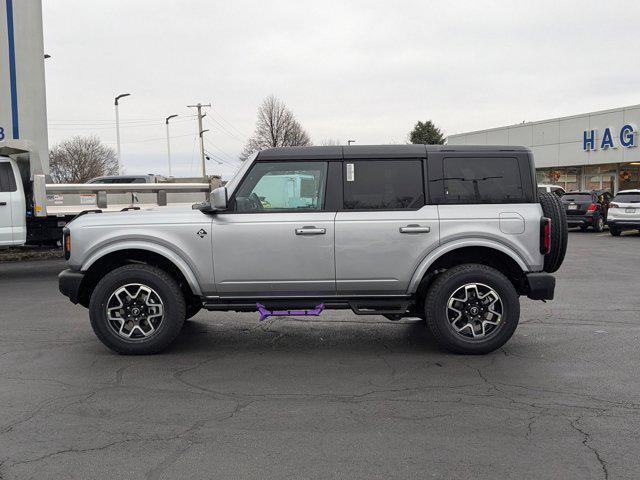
167 289
553 209
436 308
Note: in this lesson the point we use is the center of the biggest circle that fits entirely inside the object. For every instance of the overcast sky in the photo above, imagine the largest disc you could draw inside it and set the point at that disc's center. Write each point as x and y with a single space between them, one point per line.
362 70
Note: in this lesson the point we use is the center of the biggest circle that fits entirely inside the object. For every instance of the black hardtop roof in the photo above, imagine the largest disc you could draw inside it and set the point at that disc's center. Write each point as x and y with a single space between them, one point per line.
375 151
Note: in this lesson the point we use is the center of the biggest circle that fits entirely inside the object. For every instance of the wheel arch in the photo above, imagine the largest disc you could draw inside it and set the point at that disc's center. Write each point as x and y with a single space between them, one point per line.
115 256
485 252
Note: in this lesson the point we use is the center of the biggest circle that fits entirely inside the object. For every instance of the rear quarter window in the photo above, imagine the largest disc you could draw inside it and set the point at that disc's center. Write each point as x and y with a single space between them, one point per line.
482 180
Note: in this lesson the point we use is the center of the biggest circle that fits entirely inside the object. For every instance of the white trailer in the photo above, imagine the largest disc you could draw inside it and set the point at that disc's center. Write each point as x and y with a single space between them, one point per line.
32 210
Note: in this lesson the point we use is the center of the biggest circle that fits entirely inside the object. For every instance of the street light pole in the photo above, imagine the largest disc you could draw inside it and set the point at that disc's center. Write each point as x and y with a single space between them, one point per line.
118 131
166 120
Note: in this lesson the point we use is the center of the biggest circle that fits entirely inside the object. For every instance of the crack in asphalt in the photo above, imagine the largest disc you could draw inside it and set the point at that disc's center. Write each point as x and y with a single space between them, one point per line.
586 441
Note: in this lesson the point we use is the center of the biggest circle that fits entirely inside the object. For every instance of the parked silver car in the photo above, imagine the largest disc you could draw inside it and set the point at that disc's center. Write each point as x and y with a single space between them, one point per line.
450 234
624 212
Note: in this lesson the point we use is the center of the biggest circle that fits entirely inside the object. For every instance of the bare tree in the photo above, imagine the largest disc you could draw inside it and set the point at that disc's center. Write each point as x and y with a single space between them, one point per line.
80 159
276 127
331 142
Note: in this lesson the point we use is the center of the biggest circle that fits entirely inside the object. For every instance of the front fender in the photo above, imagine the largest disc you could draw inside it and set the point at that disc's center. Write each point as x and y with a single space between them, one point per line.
159 249
455 245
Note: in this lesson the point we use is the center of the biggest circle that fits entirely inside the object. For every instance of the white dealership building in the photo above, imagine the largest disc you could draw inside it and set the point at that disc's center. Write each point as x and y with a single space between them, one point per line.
597 150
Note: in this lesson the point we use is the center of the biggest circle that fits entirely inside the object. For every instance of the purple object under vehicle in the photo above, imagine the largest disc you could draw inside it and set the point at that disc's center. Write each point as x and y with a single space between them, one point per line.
264 313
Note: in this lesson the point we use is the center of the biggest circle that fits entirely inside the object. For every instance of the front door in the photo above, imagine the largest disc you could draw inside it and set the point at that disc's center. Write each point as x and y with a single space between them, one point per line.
7 187
385 228
277 237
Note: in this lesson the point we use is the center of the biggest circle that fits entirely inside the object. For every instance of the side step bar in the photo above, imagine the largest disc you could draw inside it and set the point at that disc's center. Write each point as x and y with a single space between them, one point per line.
398 305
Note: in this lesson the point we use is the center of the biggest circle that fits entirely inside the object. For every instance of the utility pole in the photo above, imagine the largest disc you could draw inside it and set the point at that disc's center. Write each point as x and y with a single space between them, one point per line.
200 132
118 131
166 120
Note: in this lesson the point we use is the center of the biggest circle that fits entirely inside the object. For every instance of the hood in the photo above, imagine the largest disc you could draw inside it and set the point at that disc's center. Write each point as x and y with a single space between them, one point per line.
156 215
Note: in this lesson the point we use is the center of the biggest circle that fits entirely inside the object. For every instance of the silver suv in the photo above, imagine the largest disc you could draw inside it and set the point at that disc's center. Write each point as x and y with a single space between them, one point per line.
450 234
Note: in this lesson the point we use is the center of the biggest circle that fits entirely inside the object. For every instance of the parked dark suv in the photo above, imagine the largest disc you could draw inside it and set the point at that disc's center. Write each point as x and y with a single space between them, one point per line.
587 208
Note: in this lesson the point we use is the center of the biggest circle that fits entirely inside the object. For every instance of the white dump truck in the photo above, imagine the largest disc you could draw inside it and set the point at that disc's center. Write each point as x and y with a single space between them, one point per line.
33 210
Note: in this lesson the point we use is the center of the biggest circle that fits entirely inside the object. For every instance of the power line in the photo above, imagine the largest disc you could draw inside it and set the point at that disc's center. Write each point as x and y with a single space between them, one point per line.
231 157
222 128
230 124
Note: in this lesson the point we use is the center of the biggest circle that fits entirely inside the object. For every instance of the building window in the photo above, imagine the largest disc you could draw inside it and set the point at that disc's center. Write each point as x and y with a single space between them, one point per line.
629 176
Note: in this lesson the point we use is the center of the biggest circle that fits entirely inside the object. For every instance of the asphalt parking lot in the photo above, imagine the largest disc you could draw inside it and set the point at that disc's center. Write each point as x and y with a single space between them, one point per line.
340 397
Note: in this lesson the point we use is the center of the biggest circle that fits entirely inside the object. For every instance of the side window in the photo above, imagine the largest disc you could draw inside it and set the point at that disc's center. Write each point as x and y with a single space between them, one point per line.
7 180
482 180
383 185
282 186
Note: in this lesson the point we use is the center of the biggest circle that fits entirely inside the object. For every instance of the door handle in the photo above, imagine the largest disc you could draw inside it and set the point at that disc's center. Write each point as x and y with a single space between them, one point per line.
3 204
414 229
310 231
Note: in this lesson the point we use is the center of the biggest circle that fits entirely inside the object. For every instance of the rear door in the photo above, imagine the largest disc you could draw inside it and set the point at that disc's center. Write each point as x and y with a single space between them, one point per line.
8 188
385 228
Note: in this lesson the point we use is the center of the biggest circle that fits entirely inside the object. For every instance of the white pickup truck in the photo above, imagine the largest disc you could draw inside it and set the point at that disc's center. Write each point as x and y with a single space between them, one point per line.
34 211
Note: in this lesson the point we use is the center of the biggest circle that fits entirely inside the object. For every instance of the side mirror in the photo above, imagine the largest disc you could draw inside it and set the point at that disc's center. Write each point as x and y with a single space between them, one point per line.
219 198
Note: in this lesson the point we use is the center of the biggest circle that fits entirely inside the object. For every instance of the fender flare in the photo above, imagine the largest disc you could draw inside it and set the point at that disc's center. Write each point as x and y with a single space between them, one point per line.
456 245
165 252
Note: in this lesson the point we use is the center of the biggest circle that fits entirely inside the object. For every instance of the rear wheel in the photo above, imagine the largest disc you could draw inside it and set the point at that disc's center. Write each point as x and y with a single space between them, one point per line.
472 309
598 225
615 231
552 208
137 310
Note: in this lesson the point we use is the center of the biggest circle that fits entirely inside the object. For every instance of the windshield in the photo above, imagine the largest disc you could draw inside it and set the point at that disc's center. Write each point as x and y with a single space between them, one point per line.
627 197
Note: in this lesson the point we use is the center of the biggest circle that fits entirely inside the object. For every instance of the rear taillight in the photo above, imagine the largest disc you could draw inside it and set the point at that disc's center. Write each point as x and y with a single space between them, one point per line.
545 235
592 207
66 243
614 205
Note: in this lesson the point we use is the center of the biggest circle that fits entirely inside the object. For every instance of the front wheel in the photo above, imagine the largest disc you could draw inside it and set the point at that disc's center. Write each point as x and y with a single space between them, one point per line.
137 310
472 309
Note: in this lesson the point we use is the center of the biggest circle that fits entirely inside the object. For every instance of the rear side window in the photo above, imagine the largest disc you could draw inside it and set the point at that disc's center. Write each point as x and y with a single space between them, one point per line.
482 180
7 180
383 185
627 197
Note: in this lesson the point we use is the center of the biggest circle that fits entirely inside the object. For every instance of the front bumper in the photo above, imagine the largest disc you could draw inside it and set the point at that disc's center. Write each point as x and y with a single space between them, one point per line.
541 286
69 282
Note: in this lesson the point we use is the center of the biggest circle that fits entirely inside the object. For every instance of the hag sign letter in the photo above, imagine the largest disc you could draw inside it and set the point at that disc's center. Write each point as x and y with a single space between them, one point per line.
626 138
